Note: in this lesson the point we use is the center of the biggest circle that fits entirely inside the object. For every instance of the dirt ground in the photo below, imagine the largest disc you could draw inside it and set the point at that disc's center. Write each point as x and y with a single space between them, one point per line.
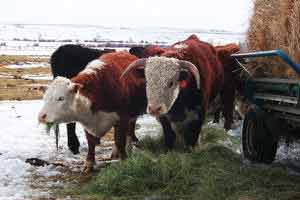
14 82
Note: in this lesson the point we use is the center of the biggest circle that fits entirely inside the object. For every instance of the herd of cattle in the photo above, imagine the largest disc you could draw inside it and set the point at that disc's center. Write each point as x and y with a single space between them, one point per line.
102 89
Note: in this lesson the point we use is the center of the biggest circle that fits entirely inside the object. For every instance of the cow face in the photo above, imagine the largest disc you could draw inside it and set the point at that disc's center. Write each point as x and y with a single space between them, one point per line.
59 102
162 84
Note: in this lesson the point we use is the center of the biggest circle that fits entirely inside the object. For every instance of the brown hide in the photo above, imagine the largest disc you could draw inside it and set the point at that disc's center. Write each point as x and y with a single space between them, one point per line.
105 89
231 81
203 56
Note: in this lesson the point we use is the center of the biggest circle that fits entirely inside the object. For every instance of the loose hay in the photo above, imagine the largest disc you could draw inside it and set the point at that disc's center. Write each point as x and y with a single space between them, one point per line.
275 24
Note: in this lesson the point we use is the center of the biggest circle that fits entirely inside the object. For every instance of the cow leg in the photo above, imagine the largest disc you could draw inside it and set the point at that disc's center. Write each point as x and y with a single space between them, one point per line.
121 130
192 130
131 132
217 108
169 134
217 116
90 159
73 142
228 107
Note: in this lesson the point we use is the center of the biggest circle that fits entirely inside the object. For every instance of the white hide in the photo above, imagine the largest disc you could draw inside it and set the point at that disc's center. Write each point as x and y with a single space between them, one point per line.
162 85
94 64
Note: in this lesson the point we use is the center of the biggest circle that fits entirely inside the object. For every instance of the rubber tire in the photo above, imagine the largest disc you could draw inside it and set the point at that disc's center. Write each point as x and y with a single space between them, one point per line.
258 143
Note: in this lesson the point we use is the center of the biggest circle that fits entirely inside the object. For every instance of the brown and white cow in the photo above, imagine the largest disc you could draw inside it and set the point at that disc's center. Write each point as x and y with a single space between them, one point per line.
224 103
180 84
99 100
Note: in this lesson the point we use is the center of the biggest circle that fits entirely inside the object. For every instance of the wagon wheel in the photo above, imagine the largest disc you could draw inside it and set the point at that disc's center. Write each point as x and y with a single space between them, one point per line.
258 143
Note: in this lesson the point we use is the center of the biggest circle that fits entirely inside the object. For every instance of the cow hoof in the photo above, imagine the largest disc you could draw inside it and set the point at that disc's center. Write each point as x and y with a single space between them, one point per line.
88 167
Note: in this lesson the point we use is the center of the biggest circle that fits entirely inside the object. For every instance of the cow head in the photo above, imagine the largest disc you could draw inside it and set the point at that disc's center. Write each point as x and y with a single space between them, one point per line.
59 102
164 77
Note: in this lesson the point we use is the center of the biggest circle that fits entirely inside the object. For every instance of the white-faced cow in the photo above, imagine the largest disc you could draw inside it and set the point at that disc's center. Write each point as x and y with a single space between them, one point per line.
180 84
67 61
99 100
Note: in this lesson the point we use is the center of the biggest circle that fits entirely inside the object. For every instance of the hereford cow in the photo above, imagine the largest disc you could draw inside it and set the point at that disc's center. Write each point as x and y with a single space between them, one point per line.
98 99
67 61
180 84
232 83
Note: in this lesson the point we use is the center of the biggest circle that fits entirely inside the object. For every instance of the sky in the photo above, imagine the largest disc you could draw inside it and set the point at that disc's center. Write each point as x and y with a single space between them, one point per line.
200 14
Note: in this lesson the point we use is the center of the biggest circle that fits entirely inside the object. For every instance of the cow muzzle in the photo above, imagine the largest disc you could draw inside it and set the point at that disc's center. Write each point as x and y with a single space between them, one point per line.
42 118
156 110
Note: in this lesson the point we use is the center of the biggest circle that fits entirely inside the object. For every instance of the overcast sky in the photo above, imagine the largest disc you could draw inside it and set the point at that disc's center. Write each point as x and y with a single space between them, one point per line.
202 14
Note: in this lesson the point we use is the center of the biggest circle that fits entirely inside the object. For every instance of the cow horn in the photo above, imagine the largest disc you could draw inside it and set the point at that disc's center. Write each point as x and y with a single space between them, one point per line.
138 63
193 69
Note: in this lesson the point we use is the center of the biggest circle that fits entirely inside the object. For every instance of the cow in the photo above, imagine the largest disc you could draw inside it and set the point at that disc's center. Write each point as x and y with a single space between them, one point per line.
232 83
67 61
99 100
180 84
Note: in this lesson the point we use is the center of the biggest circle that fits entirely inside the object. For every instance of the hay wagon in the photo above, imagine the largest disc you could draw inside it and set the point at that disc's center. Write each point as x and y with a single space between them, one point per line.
274 111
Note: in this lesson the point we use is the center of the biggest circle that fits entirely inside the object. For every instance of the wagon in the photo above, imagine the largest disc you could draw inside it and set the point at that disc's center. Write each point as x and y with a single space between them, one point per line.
274 110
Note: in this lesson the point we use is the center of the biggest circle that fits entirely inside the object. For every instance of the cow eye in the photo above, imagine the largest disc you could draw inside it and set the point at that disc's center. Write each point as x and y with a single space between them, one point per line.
60 99
171 84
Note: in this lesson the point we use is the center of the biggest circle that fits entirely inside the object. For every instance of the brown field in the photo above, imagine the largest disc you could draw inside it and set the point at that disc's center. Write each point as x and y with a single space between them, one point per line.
13 59
13 85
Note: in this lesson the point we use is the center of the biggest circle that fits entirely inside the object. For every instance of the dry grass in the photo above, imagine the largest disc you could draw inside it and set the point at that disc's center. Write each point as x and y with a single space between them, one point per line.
275 24
14 87
12 59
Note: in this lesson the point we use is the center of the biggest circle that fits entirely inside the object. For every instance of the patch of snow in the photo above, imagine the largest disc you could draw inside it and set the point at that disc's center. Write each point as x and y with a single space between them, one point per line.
38 77
149 126
48 171
6 76
25 66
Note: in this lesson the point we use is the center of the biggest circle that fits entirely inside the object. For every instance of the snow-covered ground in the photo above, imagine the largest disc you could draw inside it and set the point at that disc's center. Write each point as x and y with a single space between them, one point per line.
44 39
22 138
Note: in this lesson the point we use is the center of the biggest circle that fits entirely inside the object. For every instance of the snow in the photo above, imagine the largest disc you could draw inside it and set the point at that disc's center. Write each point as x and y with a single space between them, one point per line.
27 65
38 77
44 39
21 138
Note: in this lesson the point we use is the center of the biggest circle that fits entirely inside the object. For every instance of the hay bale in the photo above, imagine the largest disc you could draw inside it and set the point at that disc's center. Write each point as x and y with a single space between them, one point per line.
275 24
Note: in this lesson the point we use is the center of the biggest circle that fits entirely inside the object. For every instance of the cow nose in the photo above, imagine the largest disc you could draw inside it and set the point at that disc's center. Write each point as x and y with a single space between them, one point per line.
154 110
42 118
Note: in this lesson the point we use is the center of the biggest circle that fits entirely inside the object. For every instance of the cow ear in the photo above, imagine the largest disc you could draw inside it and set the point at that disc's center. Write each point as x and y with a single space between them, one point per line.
74 87
183 76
